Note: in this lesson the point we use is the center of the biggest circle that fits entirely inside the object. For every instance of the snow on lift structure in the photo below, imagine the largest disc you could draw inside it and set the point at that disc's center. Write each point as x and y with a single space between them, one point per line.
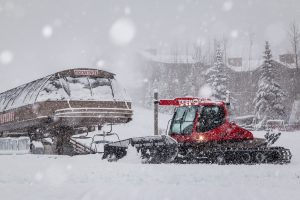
62 102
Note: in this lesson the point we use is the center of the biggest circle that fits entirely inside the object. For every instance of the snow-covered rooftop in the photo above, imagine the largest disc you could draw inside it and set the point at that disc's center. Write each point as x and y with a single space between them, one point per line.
246 65
164 58
288 65
189 59
254 64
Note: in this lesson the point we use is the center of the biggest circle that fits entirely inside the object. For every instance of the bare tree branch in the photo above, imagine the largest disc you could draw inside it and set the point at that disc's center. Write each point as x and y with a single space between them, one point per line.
294 36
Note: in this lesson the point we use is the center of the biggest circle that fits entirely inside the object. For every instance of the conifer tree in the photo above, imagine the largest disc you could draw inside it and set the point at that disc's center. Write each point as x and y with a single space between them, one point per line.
269 96
218 78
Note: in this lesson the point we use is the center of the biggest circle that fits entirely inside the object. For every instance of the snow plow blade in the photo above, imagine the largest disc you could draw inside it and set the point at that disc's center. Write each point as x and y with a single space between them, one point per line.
152 149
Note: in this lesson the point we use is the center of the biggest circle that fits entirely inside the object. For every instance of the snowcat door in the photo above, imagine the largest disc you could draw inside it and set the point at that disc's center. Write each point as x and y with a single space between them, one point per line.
211 122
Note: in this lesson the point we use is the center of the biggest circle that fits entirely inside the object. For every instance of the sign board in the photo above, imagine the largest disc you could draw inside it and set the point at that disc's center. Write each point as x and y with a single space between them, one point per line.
85 72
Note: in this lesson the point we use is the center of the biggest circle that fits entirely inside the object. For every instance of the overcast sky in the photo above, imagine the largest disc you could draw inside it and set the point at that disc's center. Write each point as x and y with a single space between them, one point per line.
39 37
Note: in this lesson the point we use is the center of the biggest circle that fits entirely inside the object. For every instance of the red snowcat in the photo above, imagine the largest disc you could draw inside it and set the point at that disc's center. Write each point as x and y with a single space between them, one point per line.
200 132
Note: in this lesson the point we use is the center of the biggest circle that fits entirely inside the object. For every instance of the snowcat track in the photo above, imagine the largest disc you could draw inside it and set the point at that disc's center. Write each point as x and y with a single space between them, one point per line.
248 156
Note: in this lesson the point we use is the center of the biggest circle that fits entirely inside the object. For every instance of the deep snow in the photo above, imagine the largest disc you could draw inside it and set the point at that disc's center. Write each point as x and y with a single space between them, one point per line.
45 177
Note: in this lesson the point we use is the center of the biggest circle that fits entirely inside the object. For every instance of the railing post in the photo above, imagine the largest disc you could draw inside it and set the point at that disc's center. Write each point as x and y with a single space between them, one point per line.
155 112
227 101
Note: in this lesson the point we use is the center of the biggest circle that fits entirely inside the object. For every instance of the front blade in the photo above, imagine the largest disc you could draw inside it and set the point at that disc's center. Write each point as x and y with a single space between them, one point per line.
152 149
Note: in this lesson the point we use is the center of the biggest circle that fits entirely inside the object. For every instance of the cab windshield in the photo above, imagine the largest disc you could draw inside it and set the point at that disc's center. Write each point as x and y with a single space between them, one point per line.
209 118
183 120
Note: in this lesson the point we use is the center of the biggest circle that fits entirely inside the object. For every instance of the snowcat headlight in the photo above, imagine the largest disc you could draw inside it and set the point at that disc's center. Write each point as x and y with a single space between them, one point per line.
201 138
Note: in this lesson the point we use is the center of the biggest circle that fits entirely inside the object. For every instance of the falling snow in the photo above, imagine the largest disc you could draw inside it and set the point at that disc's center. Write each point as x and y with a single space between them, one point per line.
276 33
6 57
234 33
122 32
166 46
127 10
205 91
200 41
47 31
227 5
100 63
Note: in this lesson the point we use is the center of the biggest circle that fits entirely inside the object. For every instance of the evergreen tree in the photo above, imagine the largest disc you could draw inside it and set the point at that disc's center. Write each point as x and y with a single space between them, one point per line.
269 96
218 78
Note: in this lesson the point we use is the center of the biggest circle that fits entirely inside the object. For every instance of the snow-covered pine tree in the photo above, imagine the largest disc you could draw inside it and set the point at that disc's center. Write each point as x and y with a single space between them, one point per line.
269 96
218 78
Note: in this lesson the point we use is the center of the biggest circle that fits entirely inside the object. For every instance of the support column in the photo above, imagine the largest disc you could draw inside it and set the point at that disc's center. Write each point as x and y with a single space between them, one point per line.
155 112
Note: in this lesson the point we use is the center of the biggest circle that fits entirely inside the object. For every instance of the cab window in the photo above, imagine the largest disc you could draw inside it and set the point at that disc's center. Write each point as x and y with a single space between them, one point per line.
211 117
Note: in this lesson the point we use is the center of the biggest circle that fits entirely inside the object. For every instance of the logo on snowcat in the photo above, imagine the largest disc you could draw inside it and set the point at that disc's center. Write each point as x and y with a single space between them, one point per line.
188 102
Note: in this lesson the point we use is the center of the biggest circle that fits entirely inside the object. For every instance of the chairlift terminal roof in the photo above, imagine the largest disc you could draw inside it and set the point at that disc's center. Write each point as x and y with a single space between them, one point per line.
80 84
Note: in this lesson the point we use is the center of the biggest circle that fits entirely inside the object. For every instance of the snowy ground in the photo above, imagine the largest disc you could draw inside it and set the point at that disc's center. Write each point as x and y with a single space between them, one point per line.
44 177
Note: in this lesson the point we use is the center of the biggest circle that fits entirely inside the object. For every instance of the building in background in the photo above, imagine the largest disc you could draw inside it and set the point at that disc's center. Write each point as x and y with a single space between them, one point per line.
287 58
181 75
235 62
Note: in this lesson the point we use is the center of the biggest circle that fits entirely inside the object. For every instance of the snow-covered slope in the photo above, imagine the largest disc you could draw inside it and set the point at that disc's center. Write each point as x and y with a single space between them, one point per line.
142 123
36 177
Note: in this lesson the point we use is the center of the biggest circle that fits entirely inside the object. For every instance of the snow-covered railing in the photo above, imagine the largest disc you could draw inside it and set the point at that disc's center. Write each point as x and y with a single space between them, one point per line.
94 112
10 145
